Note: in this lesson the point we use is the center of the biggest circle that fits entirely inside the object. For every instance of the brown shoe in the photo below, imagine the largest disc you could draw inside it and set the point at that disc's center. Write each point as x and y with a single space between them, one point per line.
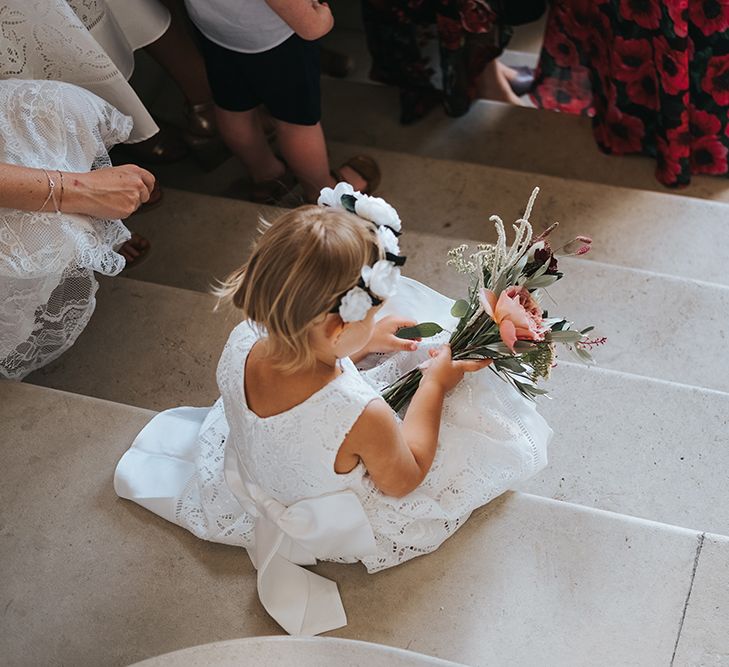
366 167
201 120
161 148
270 192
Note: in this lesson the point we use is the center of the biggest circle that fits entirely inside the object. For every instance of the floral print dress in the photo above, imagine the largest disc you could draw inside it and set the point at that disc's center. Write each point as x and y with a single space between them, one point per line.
654 75
469 35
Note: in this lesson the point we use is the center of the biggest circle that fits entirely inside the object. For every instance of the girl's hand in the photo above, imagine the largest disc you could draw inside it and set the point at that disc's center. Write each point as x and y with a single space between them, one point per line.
384 338
446 373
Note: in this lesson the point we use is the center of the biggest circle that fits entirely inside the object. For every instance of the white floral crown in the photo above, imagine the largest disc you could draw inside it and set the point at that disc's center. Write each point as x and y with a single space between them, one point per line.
377 282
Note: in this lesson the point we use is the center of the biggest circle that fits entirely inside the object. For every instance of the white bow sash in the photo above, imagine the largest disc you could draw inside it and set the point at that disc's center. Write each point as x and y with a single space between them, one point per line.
329 526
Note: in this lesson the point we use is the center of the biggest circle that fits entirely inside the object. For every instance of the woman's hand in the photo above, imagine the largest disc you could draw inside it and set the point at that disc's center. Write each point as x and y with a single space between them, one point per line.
446 373
384 339
113 192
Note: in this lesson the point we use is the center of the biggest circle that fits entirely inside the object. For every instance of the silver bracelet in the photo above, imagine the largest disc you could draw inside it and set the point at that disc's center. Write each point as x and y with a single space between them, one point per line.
59 208
51 193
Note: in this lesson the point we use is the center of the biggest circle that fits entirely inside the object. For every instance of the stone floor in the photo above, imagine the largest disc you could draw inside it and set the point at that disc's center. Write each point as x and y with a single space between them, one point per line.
90 579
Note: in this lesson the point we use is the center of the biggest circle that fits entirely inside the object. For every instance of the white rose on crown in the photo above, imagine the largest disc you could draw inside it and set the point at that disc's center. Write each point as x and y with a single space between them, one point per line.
388 240
355 305
332 197
381 278
377 210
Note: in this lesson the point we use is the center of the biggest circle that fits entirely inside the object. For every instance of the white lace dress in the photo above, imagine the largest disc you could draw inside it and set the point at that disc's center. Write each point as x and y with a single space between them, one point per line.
490 440
89 43
47 260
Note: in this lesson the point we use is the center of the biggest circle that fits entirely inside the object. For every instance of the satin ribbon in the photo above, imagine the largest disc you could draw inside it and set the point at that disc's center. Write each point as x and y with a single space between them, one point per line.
328 526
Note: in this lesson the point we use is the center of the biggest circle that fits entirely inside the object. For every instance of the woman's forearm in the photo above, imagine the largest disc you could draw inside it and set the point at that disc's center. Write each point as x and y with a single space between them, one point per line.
27 189
112 192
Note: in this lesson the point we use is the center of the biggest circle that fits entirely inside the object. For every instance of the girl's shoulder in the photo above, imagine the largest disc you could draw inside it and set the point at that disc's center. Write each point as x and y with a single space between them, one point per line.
353 386
244 336
232 360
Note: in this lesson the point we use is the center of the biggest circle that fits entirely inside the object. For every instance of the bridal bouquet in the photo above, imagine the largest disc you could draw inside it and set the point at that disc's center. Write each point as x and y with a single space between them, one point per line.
502 318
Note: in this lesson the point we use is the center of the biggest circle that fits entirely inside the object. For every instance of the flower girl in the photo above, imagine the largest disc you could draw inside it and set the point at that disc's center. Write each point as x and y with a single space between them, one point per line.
301 459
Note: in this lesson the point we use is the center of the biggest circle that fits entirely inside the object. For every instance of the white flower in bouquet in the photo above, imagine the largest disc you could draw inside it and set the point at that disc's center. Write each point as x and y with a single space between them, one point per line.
332 197
381 278
388 240
355 305
535 247
377 210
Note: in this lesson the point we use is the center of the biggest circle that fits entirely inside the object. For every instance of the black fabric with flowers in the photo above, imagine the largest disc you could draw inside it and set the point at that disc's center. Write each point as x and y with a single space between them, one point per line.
469 36
653 74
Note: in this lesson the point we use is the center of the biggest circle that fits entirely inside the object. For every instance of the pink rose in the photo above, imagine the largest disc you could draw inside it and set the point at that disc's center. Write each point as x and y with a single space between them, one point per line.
516 313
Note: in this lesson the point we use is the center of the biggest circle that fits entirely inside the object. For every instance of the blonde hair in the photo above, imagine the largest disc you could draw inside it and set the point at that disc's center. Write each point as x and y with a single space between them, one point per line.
300 266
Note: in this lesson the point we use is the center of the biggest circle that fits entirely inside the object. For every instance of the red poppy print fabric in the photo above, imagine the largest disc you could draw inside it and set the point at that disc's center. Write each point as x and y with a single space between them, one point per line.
653 74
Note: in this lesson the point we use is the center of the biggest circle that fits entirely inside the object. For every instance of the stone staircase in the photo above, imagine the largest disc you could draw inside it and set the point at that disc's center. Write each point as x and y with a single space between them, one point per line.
617 554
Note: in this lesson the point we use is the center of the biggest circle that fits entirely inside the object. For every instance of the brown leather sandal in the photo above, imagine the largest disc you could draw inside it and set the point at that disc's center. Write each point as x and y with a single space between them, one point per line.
366 167
141 247
270 192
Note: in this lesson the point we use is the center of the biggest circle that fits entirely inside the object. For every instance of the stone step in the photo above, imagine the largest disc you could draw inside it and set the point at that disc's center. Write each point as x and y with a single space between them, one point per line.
636 446
496 134
90 579
650 319
670 234
198 239
622 442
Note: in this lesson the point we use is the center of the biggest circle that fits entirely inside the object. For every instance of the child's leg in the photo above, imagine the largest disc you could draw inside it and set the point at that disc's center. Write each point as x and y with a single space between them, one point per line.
243 134
304 149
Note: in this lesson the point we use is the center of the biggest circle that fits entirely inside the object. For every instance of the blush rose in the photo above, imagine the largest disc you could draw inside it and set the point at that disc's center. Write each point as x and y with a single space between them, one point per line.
516 313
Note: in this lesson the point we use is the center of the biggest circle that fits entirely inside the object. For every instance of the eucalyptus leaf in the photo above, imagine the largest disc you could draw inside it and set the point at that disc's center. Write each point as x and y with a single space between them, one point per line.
522 346
541 281
586 330
499 348
521 264
566 336
510 363
460 308
584 356
542 269
534 391
423 330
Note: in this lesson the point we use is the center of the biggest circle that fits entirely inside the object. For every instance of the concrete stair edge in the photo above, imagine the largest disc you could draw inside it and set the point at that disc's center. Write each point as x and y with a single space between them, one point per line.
32 391
583 261
499 120
252 209
179 343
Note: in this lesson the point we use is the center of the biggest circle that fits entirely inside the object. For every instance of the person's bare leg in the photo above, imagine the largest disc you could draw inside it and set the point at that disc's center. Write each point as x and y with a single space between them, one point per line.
243 134
304 149
509 72
493 84
178 54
